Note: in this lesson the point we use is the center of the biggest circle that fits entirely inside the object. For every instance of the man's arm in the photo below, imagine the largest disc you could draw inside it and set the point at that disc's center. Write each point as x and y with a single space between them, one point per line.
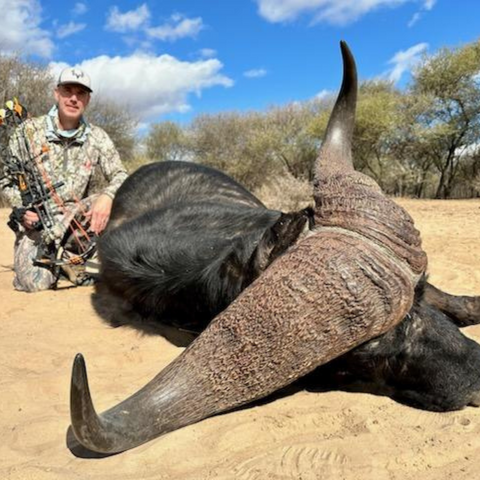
115 173
112 167
100 213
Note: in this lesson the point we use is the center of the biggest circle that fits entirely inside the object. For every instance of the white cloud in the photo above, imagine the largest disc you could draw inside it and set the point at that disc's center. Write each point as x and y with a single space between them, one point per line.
79 8
153 85
255 73
21 29
207 52
338 12
427 6
405 60
177 27
128 21
70 29
322 94
415 18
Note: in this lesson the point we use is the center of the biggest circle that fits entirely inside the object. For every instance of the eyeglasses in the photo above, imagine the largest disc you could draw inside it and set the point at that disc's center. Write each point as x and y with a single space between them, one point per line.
70 90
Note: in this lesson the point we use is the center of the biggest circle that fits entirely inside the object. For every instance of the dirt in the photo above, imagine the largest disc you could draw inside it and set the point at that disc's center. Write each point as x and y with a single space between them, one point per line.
332 435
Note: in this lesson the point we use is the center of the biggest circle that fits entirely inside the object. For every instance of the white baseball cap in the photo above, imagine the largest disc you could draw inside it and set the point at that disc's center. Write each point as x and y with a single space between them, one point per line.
76 76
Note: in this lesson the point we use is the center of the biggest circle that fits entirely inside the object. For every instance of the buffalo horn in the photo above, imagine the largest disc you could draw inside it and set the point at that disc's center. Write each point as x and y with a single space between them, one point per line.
350 280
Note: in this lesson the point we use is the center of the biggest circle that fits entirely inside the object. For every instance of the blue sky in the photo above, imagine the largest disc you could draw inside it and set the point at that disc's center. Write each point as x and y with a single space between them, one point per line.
174 59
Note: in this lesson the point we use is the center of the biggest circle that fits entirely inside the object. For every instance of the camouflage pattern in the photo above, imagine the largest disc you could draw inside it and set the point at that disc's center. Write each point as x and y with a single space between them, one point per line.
71 160
31 277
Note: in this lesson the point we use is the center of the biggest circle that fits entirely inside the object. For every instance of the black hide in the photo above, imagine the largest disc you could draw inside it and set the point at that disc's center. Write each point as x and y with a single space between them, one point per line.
184 240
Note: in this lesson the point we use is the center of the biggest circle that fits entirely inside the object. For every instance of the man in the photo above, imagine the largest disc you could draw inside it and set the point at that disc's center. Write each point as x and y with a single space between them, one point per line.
69 149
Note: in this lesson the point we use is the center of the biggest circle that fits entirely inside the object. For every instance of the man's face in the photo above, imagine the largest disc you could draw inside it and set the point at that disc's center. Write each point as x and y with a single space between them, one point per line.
72 100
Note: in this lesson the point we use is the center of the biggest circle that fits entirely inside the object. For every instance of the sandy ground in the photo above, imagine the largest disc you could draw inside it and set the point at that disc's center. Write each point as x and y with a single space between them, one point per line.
333 435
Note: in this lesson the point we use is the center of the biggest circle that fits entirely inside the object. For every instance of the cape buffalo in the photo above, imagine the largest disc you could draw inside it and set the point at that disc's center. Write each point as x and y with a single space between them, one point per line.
344 278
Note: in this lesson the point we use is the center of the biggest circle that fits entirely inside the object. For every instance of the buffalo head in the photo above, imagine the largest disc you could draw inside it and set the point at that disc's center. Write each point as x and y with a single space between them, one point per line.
351 279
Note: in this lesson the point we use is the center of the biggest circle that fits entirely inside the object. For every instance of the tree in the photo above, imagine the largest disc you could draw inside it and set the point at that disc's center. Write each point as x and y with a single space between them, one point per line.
377 125
447 87
255 146
292 142
32 83
167 141
238 144
119 122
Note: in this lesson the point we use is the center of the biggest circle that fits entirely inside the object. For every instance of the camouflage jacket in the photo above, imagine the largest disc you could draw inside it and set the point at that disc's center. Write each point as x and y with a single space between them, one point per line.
68 160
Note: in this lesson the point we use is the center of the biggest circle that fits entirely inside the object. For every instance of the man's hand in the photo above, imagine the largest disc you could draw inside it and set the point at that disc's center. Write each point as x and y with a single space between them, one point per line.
30 219
100 213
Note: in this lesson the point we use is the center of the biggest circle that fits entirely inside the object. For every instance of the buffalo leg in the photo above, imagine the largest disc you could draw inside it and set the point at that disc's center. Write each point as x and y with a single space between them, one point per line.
462 310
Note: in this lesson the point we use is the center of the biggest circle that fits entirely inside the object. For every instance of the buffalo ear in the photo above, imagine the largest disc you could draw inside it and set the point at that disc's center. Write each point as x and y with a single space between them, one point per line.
278 239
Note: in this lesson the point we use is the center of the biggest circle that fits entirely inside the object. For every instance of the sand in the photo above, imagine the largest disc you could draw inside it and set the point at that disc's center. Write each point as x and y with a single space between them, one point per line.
333 435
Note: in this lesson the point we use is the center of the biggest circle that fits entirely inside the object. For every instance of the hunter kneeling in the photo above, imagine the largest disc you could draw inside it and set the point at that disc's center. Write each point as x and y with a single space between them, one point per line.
49 165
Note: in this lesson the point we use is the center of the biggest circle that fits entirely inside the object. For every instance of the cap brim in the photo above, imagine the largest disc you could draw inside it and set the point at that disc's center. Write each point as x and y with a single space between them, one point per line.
75 83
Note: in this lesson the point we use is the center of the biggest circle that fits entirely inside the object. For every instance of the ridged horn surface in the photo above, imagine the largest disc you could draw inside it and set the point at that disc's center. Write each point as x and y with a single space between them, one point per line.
336 150
332 291
348 199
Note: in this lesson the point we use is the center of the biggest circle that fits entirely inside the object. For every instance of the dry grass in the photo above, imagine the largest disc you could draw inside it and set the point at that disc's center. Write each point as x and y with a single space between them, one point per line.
286 193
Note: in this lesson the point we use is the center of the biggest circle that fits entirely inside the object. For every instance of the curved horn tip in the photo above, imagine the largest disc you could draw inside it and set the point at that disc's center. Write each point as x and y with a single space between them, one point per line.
336 149
82 412
88 429
79 360
347 56
79 371
80 400
344 47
